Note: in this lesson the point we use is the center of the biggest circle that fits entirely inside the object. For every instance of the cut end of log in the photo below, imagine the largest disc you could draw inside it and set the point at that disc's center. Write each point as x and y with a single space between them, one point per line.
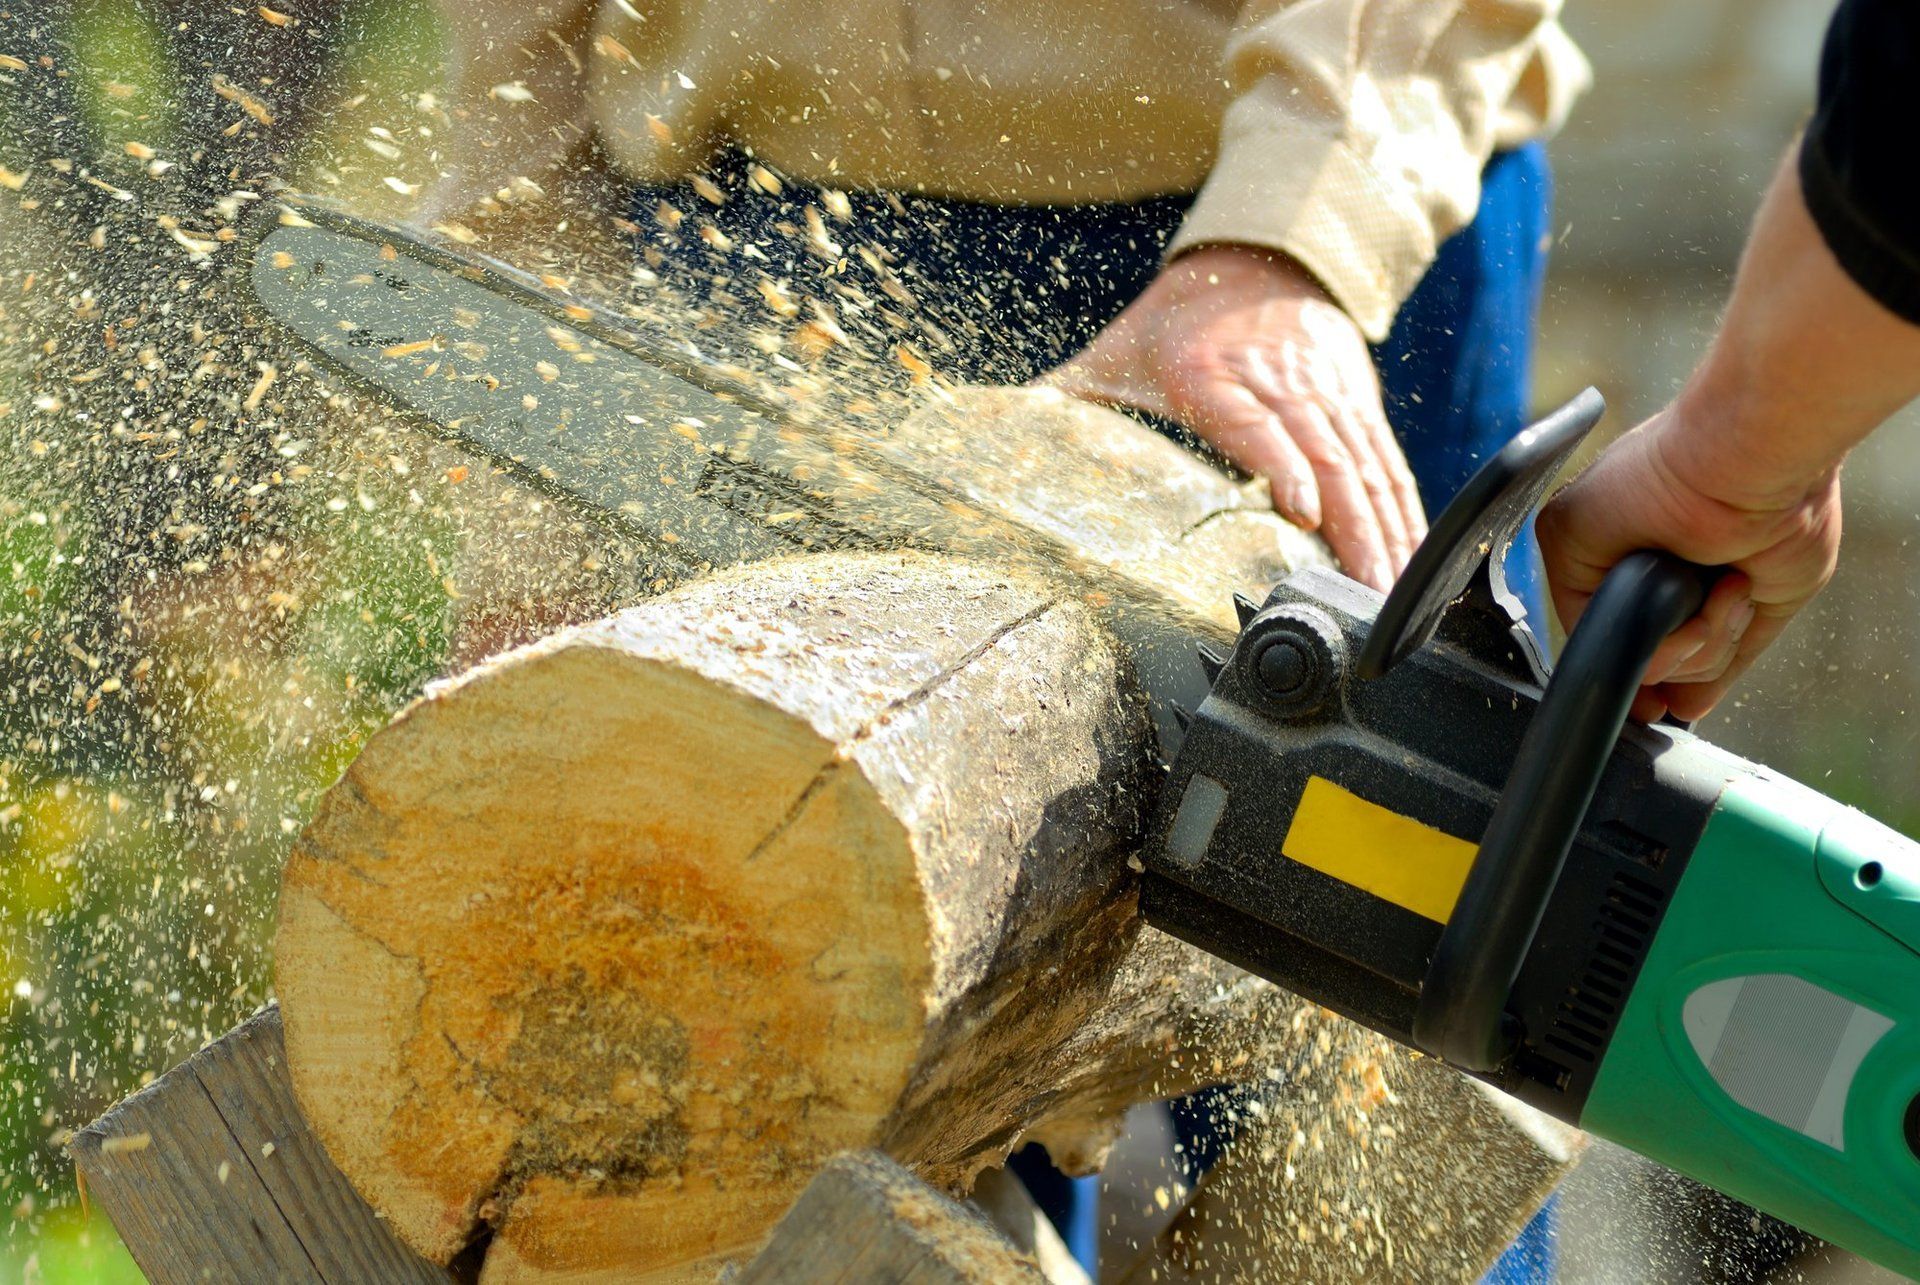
590 932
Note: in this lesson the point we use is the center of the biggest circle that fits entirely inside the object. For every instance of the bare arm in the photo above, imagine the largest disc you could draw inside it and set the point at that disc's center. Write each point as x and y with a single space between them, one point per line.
1743 469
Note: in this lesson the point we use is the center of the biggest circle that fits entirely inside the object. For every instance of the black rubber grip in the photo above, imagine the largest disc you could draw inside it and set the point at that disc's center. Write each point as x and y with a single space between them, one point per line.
1475 529
1462 1012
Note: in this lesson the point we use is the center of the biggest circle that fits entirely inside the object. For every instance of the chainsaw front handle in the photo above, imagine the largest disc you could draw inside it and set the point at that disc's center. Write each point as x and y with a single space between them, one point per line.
1462 1014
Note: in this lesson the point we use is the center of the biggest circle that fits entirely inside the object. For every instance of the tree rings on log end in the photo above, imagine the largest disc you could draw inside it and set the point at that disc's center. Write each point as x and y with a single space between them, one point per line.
607 946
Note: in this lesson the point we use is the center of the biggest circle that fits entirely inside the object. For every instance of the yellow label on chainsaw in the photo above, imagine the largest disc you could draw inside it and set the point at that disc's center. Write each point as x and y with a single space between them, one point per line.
1377 850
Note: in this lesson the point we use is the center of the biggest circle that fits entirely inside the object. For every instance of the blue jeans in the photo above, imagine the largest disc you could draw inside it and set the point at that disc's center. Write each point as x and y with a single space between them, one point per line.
1456 368
1020 288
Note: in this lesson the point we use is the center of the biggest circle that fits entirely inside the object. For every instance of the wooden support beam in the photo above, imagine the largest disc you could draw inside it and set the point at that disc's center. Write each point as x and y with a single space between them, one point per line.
866 1219
210 1173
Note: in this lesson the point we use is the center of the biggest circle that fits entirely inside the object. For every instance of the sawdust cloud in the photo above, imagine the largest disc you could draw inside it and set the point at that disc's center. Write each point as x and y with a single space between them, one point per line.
222 567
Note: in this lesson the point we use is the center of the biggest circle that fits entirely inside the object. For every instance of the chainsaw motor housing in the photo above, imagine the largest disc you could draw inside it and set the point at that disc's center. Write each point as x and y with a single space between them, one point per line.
1394 808
1383 787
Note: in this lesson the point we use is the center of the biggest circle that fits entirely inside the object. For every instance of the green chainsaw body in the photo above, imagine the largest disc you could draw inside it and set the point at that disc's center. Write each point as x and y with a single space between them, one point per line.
1771 1045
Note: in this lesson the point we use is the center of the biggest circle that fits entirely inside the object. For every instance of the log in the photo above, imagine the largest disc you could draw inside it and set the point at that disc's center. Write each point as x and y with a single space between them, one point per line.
610 943
865 1218
1041 480
210 1173
1034 479
1377 1168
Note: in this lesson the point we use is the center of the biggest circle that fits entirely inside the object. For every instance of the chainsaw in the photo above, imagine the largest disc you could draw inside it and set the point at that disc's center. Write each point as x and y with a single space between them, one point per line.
1393 807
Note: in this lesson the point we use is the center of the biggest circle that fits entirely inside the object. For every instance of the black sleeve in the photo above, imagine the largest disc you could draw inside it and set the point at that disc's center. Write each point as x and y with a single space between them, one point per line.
1860 160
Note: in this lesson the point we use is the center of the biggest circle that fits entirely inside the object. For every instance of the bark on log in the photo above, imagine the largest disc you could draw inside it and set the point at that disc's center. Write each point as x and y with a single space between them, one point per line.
1026 468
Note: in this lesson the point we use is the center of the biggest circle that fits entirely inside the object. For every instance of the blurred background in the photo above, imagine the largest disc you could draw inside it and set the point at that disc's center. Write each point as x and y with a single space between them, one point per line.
1657 176
206 605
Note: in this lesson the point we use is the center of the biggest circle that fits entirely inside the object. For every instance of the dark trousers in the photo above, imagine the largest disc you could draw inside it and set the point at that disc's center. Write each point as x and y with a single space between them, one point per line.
1018 289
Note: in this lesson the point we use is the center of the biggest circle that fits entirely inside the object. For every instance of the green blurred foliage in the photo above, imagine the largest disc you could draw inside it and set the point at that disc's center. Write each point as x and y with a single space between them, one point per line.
36 568
205 605
71 1250
127 88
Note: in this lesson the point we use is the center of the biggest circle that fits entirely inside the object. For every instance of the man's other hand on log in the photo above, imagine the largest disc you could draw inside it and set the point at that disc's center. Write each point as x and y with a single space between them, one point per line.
1245 348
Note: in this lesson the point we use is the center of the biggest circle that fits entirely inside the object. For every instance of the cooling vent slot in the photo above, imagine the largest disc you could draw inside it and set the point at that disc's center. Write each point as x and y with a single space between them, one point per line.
1621 929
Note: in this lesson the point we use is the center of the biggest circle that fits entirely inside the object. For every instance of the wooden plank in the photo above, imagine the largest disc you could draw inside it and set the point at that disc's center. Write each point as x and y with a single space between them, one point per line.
246 1076
210 1173
166 1170
866 1219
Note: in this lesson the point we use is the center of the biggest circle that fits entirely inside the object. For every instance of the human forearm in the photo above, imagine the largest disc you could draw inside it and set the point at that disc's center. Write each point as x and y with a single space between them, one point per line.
1820 344
1806 364
1743 470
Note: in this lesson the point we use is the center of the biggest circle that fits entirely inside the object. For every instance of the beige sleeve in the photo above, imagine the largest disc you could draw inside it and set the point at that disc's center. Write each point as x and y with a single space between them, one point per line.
517 95
1359 128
